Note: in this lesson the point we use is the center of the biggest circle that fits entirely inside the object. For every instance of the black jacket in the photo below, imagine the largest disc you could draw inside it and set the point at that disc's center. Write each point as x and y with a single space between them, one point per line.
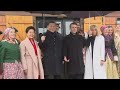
52 53
73 45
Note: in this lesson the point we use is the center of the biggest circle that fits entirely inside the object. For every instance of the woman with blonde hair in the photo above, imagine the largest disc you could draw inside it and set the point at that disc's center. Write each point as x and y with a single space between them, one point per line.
117 45
95 55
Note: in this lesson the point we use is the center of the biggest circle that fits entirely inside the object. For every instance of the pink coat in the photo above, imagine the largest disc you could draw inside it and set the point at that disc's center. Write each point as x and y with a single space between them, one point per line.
30 61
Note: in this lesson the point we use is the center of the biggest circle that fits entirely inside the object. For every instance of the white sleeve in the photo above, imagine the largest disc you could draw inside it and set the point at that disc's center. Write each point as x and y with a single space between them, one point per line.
115 58
86 35
102 50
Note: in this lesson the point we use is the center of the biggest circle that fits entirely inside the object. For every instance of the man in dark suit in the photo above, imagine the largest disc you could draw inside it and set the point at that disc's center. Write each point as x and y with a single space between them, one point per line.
51 44
73 55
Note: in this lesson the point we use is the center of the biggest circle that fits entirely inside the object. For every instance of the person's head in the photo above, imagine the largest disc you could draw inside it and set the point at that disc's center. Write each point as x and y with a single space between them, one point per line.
51 26
104 29
81 32
94 30
57 27
73 28
111 31
10 33
117 34
30 31
118 27
78 25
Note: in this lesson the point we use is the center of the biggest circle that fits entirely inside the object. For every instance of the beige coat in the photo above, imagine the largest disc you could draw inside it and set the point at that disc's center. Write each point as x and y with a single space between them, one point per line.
30 62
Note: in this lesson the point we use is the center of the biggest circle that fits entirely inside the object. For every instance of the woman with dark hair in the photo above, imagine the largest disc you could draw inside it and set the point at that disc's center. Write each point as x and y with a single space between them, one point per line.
111 31
10 62
95 55
31 56
111 56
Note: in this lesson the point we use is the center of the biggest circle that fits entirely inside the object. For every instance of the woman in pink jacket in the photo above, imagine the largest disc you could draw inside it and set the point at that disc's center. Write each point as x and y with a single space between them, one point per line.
31 56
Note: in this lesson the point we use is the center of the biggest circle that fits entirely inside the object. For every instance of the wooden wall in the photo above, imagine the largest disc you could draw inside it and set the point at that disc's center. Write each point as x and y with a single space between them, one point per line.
19 22
99 21
2 25
93 21
111 21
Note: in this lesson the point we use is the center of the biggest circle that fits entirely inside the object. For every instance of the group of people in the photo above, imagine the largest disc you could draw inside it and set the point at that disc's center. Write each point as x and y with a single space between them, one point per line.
20 60
86 55
102 54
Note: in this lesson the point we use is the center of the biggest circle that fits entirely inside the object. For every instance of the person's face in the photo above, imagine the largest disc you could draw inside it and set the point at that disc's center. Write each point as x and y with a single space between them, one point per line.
110 31
31 33
52 27
12 34
94 32
118 27
78 26
73 28
106 31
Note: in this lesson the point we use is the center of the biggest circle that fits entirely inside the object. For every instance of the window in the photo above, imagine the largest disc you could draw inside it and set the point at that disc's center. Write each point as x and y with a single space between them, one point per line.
40 25
118 21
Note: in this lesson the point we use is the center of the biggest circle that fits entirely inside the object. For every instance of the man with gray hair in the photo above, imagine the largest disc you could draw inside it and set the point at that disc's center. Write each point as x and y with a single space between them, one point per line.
95 55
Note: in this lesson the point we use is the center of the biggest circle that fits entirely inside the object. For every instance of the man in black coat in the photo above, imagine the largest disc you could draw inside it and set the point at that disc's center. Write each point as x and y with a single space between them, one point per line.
51 46
73 55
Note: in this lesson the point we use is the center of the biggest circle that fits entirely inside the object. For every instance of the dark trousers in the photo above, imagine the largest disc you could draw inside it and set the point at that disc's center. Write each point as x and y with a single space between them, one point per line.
75 76
53 77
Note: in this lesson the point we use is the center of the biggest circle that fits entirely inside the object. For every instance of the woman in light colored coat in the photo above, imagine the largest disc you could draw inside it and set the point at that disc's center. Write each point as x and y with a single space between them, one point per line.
95 56
31 56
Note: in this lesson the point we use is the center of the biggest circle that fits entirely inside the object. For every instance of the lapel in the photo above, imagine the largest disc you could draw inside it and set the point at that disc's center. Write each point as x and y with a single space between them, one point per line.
30 49
90 48
38 49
